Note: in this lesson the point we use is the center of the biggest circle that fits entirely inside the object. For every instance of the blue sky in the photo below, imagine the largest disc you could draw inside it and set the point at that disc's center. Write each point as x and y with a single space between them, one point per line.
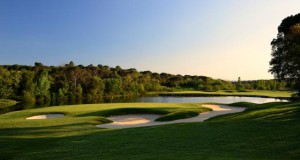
216 38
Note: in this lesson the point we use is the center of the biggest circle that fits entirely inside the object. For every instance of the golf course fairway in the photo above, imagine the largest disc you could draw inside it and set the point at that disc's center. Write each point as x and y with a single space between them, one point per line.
262 131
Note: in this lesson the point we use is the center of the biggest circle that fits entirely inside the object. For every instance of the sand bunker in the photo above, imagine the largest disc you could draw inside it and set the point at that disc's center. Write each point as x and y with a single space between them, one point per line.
46 116
133 119
142 120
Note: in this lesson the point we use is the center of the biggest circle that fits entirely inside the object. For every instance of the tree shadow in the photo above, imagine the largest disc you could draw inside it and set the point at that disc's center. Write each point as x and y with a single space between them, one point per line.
124 111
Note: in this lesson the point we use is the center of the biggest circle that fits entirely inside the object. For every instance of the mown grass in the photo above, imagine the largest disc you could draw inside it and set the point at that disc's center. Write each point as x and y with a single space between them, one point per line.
264 131
167 114
124 111
94 113
254 93
178 115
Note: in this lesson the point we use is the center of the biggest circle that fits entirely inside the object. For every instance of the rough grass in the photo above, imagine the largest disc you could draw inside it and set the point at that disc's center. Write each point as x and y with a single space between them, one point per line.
268 112
265 131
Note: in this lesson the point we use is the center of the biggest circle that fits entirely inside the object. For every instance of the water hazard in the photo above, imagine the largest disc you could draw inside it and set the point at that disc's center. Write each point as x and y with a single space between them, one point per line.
158 99
225 99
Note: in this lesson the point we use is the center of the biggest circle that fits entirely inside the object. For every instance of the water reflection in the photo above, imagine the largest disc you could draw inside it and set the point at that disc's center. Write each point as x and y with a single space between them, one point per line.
228 99
40 104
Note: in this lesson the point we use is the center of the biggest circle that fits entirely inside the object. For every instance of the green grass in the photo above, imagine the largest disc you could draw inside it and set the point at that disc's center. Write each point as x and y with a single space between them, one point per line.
255 93
264 131
7 102
94 113
124 111
168 114
178 115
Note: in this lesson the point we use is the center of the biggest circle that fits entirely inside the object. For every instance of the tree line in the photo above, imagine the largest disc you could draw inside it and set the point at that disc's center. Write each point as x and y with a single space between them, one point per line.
72 82
285 62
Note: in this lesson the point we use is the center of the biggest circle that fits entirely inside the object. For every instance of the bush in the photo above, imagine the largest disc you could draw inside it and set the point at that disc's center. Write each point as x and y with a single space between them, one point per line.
7 102
28 97
295 96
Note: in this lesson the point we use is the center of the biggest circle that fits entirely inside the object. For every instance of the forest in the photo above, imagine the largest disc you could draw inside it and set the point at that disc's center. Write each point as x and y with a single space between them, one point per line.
70 82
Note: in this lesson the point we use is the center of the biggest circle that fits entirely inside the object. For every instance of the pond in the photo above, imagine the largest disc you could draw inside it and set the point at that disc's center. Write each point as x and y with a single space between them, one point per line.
159 99
225 99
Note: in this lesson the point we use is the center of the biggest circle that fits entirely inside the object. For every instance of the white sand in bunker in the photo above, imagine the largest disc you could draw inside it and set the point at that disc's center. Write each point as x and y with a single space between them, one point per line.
46 116
133 119
142 120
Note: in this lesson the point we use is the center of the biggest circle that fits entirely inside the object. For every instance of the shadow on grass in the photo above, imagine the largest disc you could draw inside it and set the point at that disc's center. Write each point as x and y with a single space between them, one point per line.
175 141
168 114
40 131
273 111
124 111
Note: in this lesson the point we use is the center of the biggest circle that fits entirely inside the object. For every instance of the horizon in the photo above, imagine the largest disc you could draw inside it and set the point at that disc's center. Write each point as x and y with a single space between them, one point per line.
221 40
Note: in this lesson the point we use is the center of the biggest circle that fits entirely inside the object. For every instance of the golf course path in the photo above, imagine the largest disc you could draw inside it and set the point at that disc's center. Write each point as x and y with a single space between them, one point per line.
142 120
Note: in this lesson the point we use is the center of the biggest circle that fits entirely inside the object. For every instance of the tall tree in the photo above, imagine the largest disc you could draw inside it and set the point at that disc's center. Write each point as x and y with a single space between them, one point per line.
27 86
9 83
95 87
76 73
43 84
285 62
113 86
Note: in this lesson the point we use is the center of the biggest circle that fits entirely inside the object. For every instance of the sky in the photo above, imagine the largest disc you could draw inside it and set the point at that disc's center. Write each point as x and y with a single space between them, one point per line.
215 38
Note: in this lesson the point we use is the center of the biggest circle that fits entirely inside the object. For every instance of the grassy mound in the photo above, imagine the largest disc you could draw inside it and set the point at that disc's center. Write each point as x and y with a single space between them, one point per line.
178 115
273 111
243 104
167 113
93 113
7 102
125 111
